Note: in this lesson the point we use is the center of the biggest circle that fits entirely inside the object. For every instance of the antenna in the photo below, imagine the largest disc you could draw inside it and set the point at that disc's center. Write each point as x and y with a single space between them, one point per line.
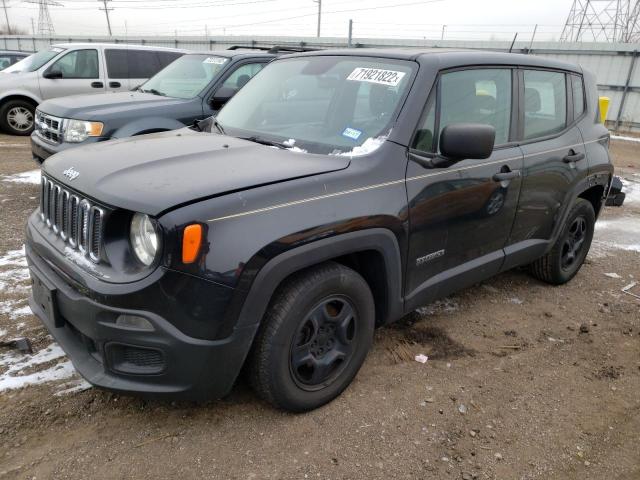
602 21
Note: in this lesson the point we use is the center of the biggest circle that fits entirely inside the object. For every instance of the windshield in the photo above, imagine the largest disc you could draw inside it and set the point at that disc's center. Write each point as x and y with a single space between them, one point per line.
322 104
35 61
186 77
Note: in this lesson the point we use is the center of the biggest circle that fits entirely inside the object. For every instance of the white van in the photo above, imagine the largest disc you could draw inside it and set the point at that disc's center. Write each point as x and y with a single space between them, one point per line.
70 69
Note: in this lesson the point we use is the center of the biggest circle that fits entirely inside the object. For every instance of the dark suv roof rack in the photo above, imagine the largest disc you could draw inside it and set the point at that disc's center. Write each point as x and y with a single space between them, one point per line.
274 49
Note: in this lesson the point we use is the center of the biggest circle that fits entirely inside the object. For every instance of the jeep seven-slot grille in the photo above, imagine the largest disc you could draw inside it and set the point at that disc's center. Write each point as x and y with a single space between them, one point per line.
73 218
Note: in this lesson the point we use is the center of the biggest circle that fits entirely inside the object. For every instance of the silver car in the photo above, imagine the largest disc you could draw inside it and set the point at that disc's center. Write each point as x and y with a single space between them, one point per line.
71 69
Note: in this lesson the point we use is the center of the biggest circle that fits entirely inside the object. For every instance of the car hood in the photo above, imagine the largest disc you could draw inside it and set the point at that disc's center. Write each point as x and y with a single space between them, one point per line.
101 106
154 173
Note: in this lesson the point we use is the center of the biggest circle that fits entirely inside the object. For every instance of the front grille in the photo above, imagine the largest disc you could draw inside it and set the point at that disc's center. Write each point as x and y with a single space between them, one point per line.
48 128
75 219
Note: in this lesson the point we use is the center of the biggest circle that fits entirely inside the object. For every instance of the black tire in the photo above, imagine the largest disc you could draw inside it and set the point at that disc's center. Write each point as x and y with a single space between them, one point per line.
292 323
567 256
17 117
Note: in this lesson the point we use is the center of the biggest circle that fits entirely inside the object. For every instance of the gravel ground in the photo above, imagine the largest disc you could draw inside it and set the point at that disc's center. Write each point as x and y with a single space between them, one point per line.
523 381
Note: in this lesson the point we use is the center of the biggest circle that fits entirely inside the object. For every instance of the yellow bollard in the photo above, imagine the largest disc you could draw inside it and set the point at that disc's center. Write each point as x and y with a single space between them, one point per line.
604 108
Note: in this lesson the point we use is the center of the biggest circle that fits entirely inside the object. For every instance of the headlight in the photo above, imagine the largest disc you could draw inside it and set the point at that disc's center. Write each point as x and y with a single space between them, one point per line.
144 238
79 130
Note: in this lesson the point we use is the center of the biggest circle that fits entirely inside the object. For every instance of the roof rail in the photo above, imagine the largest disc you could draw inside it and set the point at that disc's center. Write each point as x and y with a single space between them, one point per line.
248 47
286 48
274 49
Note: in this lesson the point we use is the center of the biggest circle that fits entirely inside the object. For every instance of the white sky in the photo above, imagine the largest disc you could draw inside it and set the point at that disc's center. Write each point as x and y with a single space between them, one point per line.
465 19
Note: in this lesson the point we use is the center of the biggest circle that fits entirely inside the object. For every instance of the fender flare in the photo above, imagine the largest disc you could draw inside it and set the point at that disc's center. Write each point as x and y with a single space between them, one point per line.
280 267
147 123
590 181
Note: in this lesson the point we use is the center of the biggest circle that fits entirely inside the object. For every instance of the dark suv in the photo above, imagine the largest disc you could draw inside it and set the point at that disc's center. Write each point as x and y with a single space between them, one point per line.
334 193
191 88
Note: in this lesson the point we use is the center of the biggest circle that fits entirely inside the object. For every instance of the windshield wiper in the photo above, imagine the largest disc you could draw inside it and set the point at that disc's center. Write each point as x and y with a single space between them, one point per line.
153 91
264 141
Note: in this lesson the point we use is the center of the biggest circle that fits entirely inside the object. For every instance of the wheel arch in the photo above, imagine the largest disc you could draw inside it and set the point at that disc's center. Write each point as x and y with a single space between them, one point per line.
19 96
374 253
147 125
596 196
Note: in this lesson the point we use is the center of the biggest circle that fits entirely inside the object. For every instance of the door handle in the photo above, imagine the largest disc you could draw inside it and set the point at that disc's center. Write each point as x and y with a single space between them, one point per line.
115 84
97 84
573 157
505 176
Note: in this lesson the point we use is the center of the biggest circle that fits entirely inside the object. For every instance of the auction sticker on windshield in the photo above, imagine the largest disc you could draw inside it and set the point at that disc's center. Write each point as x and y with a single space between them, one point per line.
376 75
215 60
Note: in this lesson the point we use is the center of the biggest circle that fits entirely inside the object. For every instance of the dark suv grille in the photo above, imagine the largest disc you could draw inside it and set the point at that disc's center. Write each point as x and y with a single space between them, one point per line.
73 218
48 127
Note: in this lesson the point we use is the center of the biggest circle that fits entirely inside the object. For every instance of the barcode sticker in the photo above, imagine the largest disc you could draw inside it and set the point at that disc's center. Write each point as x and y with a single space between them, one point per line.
376 75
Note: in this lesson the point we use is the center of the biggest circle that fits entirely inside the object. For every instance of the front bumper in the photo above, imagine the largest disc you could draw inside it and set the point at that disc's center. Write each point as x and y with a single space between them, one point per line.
41 150
162 363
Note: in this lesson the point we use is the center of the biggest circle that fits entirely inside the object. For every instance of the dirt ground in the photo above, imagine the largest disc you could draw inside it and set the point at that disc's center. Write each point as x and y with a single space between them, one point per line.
524 381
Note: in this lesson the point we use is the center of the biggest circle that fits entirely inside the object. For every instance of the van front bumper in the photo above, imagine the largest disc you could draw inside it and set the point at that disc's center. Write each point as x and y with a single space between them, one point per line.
164 362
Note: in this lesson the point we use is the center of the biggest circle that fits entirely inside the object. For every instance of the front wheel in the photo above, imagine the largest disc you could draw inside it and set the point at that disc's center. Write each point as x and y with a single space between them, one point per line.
568 253
314 338
17 117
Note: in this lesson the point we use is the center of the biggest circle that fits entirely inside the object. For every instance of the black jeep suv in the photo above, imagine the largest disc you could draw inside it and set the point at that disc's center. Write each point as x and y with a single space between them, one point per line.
334 193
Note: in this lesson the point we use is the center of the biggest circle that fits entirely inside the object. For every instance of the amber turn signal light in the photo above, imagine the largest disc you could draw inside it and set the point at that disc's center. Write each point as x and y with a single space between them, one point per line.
191 241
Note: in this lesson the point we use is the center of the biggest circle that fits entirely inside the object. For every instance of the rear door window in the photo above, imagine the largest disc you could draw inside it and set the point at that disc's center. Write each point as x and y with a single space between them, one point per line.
578 95
545 103
139 64
242 75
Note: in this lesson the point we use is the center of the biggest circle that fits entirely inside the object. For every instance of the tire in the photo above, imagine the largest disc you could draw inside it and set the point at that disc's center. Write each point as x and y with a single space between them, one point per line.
568 253
301 359
17 117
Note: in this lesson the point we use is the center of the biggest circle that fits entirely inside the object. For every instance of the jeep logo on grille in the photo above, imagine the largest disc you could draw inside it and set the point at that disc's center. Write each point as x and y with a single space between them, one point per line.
70 173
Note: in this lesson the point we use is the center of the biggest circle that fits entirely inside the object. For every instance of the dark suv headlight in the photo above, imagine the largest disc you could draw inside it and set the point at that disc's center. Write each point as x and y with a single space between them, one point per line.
144 237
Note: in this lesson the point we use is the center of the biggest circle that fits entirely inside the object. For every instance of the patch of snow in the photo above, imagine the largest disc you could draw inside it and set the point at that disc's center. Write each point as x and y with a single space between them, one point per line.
11 308
370 145
14 257
31 177
445 305
621 233
16 363
289 143
75 386
2 333
516 301
631 190
612 275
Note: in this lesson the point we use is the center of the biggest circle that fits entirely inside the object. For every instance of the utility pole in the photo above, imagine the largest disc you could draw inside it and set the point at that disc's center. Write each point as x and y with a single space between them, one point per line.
6 16
443 29
350 41
33 27
319 2
106 12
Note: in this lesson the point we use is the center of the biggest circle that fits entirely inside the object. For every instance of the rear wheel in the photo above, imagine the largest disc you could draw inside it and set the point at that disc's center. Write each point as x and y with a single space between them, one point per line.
314 338
568 253
17 117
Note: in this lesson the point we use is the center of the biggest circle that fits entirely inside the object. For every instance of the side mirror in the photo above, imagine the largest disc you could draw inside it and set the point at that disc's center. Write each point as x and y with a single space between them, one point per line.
53 74
222 96
460 141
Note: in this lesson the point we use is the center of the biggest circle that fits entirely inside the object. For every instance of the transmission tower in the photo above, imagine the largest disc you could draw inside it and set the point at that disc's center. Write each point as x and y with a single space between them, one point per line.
45 24
602 21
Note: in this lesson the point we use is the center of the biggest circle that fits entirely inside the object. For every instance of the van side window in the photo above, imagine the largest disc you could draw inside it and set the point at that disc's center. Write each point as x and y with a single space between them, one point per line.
78 64
545 103
124 63
578 95
477 96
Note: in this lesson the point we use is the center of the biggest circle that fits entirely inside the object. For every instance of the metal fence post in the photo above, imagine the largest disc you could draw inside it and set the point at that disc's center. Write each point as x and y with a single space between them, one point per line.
626 89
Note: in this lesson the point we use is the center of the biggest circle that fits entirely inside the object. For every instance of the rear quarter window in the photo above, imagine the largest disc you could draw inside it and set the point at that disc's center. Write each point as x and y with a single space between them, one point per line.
545 103
123 64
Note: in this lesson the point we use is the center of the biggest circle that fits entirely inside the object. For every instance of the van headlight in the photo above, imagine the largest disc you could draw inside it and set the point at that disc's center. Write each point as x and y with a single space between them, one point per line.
79 130
144 238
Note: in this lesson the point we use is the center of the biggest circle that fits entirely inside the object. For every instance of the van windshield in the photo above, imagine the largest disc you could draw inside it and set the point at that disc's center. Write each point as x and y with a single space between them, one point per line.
321 104
186 77
35 61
